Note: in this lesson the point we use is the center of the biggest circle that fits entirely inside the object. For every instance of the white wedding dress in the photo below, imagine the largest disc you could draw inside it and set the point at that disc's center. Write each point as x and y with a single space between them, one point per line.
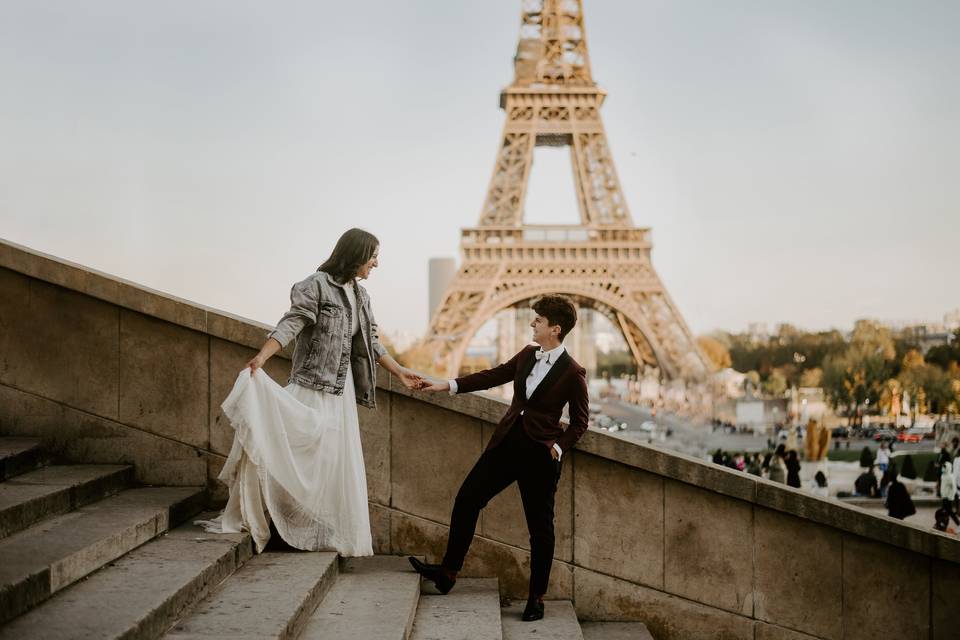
296 459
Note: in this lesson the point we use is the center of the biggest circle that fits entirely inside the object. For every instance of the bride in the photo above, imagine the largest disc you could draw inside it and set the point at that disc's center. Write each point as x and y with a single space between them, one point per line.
296 456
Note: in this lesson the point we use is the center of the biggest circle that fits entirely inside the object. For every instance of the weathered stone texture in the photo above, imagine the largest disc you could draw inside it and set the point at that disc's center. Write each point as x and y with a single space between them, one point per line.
164 377
886 591
58 344
375 439
799 582
945 600
432 451
602 597
75 436
619 520
708 547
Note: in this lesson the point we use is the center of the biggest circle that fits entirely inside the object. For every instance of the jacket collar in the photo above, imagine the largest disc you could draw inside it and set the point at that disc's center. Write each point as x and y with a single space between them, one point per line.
332 280
556 369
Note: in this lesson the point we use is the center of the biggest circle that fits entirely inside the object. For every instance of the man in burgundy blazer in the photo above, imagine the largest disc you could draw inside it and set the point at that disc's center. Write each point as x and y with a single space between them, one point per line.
526 447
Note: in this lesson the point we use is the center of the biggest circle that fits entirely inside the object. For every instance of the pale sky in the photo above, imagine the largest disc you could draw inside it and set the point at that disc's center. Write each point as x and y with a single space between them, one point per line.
797 160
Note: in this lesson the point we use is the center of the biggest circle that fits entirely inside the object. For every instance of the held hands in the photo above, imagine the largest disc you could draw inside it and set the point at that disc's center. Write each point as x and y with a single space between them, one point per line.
416 382
411 379
435 385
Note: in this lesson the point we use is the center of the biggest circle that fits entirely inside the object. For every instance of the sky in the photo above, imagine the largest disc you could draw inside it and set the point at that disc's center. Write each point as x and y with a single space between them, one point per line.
797 161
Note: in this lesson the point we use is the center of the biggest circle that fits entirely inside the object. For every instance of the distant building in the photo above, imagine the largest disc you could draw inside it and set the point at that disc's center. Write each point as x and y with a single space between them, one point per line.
758 331
927 336
442 272
951 320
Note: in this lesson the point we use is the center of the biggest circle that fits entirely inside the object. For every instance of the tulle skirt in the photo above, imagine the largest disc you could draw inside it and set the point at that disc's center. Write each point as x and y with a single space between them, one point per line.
296 459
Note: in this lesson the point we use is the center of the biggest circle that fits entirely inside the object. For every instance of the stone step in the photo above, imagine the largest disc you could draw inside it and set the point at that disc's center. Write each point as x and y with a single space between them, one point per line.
49 491
19 455
271 596
141 594
559 622
470 612
373 597
43 559
615 631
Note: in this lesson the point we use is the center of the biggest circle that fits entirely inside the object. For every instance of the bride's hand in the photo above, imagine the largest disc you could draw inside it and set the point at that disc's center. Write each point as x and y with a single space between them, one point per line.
255 363
410 379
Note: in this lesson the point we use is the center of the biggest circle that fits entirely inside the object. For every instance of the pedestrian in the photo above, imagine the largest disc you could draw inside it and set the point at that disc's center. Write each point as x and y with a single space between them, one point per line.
886 478
941 522
942 457
899 504
819 485
883 457
778 469
948 490
866 484
740 463
755 467
793 468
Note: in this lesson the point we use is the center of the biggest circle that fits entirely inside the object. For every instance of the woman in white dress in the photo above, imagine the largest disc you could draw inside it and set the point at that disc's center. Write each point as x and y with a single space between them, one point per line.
296 457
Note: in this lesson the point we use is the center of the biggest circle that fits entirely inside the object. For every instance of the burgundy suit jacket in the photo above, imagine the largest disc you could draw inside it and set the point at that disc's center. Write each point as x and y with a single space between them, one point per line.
566 381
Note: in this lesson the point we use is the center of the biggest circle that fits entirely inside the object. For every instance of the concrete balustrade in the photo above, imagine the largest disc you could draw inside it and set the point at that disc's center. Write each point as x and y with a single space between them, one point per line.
107 371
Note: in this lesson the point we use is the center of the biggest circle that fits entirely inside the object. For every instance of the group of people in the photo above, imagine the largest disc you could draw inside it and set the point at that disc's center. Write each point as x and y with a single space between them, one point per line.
780 465
947 467
296 468
895 494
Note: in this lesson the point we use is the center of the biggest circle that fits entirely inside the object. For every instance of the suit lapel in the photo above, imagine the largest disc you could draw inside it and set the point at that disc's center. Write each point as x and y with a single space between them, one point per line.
558 368
520 382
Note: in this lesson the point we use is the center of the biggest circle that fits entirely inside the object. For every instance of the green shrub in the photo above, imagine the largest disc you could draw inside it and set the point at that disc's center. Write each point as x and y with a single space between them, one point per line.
866 457
906 468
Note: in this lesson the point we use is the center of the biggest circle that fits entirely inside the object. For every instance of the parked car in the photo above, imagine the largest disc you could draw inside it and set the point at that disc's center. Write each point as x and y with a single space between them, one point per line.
885 434
913 434
840 432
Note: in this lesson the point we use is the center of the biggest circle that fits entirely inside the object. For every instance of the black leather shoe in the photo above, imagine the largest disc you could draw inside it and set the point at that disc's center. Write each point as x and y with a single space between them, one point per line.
434 573
533 610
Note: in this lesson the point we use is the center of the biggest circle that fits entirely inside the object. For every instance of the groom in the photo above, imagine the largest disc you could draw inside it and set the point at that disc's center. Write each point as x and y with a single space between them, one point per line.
526 447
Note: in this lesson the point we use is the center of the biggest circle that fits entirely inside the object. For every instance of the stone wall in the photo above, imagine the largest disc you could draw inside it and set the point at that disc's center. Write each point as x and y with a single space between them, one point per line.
107 371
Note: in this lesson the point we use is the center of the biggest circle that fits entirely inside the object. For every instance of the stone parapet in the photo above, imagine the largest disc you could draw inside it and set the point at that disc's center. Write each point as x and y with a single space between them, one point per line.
107 371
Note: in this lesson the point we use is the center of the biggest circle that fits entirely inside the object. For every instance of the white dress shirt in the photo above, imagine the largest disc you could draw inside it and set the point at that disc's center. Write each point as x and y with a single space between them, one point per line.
540 368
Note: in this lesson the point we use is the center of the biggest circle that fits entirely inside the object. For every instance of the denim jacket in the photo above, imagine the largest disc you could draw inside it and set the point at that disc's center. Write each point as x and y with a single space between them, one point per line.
321 320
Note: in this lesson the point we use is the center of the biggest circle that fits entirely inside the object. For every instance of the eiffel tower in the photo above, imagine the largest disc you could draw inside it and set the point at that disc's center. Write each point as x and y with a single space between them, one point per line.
604 262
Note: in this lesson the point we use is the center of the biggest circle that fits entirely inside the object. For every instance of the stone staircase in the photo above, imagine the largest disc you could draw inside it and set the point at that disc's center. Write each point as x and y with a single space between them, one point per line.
85 553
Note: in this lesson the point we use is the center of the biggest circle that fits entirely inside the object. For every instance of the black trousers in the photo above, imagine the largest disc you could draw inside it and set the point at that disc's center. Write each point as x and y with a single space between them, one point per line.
528 463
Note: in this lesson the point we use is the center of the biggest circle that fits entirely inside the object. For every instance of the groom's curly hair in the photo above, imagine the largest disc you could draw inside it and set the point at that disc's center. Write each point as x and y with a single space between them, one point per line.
558 310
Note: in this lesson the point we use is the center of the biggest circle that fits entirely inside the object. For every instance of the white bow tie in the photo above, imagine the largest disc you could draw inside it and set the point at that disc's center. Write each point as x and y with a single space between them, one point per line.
540 354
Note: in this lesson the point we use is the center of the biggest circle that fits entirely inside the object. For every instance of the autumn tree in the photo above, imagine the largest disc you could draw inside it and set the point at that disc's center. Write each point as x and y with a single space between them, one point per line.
715 351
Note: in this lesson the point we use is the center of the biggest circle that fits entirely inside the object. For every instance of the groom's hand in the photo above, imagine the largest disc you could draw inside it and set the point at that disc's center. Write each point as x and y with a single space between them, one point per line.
436 385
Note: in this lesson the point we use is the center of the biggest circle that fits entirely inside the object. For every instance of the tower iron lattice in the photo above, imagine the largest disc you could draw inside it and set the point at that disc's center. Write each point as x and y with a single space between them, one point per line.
603 262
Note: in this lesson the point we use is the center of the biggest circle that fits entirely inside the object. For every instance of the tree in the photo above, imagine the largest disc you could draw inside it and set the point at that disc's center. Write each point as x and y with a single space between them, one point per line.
866 457
944 354
811 377
715 351
776 384
857 376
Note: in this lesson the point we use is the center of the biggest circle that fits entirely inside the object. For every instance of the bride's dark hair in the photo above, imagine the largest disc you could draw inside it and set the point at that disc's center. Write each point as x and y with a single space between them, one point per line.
353 250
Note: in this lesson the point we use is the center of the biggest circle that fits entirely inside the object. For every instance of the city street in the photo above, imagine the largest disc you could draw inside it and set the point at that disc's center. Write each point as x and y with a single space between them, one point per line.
700 440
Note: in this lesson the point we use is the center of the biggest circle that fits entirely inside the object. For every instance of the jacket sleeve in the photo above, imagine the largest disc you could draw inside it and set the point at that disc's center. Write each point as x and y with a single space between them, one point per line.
500 374
579 413
304 302
378 349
